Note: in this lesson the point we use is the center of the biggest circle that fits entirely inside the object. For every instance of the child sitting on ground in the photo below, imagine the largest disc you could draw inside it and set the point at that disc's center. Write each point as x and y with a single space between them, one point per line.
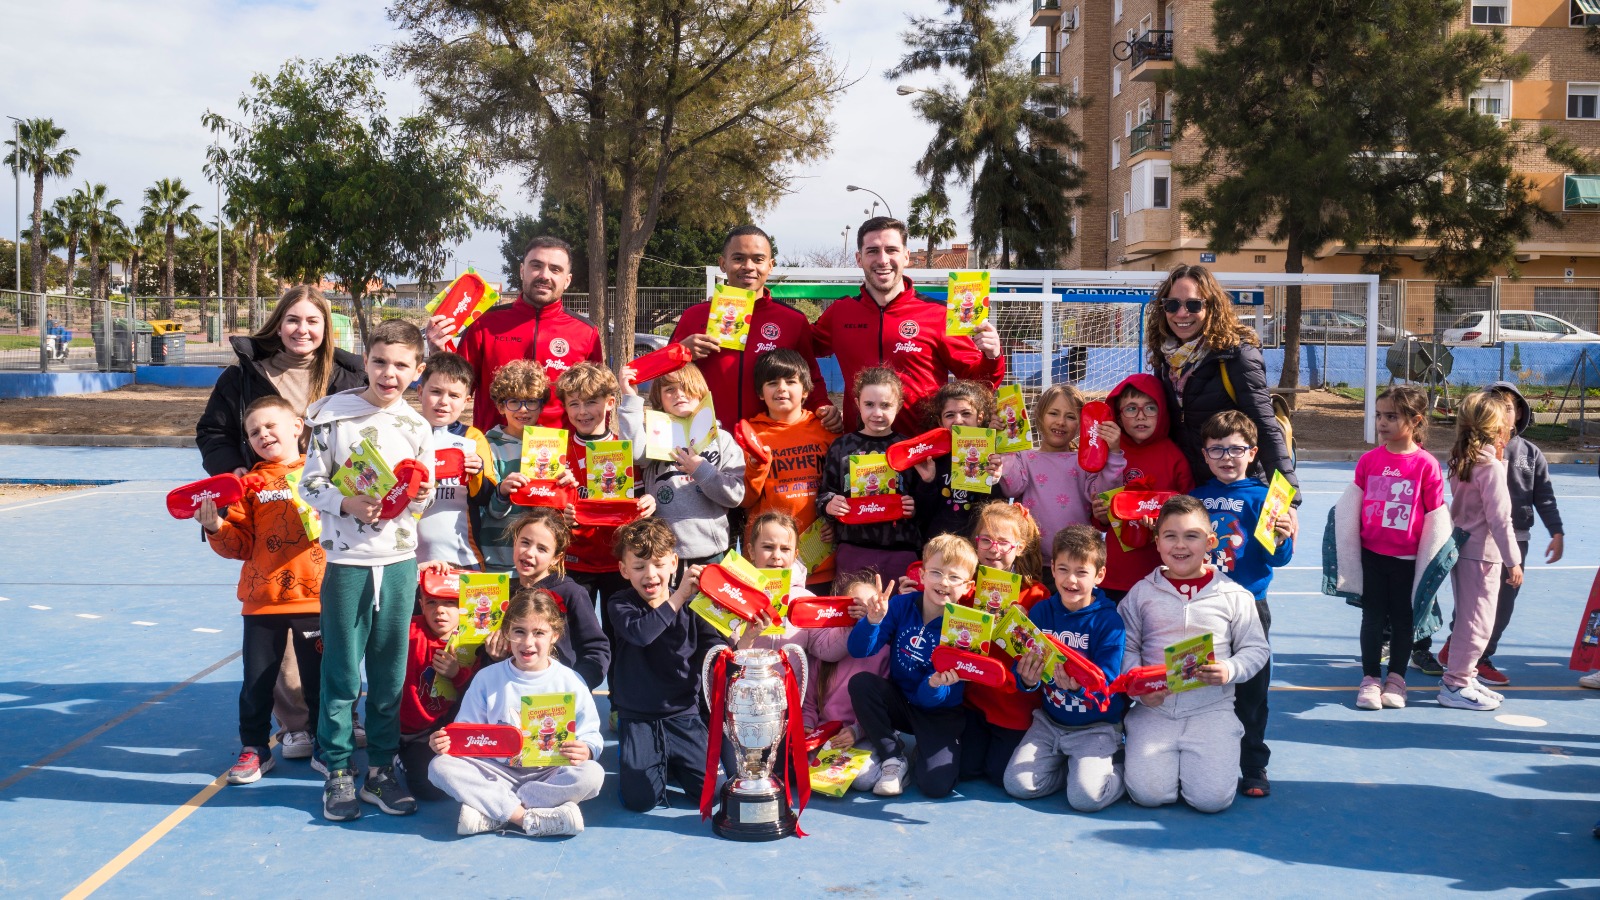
1072 740
1188 743
435 682
539 802
279 583
657 651
448 531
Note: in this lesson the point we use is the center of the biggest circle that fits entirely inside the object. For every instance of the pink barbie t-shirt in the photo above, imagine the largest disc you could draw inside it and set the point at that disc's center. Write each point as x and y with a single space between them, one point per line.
1397 491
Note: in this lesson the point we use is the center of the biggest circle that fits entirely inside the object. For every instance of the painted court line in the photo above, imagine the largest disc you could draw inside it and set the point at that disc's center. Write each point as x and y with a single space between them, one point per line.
37 606
209 630
141 623
87 616
113 722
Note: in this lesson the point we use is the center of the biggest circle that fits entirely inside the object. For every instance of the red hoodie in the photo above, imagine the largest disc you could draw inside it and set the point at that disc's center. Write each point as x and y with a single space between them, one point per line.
731 373
907 335
422 702
1161 466
549 335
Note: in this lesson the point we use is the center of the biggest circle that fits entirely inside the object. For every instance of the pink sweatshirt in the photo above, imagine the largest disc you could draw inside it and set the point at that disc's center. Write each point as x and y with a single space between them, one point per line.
1482 508
1056 491
1397 492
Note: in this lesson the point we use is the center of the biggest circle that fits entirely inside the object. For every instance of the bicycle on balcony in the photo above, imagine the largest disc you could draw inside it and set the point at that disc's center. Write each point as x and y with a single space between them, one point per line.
1149 46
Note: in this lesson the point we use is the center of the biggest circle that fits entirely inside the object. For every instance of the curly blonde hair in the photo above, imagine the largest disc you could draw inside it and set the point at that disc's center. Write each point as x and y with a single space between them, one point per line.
1223 329
520 379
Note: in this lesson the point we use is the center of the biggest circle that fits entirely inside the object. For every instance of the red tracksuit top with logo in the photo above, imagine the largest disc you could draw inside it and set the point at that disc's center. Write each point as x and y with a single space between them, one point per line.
731 374
549 335
906 335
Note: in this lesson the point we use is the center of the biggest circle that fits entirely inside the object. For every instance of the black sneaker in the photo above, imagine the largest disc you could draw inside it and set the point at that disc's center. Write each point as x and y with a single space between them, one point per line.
339 796
1425 662
387 792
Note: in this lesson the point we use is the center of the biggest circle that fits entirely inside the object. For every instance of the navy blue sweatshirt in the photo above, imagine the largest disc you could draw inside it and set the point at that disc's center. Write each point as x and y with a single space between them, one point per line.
900 534
911 661
941 510
1097 632
582 647
1234 510
656 656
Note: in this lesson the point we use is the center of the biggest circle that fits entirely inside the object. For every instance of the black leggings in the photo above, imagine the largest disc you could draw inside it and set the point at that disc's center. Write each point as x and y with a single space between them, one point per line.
264 638
1386 604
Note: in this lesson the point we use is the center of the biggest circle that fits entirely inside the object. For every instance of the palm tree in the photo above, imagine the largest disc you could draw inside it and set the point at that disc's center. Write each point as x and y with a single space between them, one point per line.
167 208
38 151
99 219
48 237
69 210
930 218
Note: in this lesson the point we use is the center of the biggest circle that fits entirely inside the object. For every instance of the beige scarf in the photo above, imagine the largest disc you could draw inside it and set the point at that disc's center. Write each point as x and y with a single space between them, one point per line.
1182 359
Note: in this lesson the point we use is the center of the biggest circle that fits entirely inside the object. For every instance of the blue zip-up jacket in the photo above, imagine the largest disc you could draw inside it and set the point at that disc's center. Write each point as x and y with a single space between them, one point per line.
911 661
1097 632
1234 510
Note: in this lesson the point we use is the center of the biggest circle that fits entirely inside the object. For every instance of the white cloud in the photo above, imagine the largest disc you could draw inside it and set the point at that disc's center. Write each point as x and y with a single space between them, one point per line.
129 80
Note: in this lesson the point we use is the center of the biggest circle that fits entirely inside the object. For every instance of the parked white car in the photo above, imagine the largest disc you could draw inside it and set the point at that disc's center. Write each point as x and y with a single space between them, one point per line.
1474 329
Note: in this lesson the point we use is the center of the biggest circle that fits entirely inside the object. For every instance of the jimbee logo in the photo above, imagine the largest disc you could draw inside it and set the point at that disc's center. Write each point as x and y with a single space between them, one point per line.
771 331
909 329
559 347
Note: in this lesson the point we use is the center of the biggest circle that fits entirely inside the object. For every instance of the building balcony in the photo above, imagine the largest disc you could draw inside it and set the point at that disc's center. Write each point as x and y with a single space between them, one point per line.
1147 231
1154 136
1151 56
1045 12
1047 65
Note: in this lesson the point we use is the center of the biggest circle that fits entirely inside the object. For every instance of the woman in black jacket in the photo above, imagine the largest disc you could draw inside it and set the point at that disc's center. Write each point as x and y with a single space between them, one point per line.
1209 362
292 356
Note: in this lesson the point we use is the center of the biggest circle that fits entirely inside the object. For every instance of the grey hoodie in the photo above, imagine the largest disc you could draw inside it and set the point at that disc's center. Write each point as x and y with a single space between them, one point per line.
1527 474
696 506
1157 616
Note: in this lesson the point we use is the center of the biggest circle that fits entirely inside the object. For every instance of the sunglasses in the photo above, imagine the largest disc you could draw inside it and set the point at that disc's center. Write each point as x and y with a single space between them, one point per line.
1172 305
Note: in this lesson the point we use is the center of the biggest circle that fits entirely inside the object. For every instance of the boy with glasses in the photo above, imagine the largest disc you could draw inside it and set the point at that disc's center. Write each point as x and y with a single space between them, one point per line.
1153 463
1234 501
519 391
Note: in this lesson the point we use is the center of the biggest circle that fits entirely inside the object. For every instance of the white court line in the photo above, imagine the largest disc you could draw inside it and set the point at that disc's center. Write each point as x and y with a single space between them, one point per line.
141 623
87 616
37 606
209 630
87 490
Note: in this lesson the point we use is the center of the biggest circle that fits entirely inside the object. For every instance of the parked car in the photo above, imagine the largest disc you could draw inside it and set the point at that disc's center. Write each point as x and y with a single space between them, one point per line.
1333 326
1474 329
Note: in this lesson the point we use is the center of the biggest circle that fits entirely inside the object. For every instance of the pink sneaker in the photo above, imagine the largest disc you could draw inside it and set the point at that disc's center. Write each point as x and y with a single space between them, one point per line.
1394 691
1368 695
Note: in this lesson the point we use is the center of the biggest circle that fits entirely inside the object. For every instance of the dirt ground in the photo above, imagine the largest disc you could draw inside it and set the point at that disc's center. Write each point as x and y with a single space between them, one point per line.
1322 421
17 493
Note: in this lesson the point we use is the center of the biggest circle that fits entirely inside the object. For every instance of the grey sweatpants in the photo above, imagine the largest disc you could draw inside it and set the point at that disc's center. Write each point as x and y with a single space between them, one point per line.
1052 753
496 789
1197 755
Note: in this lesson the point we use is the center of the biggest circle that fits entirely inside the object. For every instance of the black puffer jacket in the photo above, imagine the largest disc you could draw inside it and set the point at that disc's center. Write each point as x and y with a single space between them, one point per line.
1205 395
220 431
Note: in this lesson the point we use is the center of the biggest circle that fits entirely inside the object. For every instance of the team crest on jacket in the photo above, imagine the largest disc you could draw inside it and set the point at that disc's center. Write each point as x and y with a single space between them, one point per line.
771 331
909 328
559 347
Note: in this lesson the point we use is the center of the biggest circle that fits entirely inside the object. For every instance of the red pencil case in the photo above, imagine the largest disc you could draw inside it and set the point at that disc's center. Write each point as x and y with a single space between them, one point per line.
657 363
1129 505
606 513
750 443
876 508
731 594
927 445
1092 450
1141 680
821 612
972 667
821 734
409 476
442 584
226 489
545 492
468 739
449 462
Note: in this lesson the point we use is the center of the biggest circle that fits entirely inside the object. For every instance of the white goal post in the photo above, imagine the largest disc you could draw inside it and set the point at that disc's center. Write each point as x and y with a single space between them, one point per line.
1049 302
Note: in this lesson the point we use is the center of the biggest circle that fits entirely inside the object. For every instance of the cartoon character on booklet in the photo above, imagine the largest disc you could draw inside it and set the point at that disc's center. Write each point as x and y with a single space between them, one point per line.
482 613
1008 420
608 479
730 320
972 463
547 734
966 308
1191 667
963 638
366 477
541 463
992 600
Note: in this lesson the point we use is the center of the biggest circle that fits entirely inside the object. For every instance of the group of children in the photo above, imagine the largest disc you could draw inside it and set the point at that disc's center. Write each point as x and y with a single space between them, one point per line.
593 603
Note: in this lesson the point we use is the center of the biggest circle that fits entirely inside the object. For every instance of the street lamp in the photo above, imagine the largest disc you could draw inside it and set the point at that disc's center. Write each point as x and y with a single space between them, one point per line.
16 178
906 90
886 207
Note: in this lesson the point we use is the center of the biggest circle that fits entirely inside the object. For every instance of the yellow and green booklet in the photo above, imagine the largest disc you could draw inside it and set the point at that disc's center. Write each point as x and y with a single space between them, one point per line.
1017 635
970 449
609 465
965 628
365 473
547 720
967 303
483 599
837 768
664 433
543 452
995 590
1280 493
813 549
1015 432
1184 660
871 474
310 519
775 583
729 318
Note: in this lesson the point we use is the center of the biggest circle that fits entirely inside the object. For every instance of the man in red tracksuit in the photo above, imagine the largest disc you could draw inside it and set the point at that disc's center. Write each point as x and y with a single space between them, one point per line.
890 324
536 326
747 261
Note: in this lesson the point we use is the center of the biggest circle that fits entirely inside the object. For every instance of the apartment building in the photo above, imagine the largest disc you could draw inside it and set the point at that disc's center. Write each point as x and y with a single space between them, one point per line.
1131 220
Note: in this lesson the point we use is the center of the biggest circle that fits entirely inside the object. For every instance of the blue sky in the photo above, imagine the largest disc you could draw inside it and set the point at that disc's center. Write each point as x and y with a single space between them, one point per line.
129 80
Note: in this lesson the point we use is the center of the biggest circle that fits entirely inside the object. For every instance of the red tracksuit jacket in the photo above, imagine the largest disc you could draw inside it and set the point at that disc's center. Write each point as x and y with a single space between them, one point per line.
731 373
549 335
908 336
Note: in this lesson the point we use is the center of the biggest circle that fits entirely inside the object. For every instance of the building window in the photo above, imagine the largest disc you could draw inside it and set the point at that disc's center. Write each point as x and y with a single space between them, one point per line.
1063 39
1116 152
1127 123
1116 225
1116 81
1492 98
1116 10
1491 12
1144 112
1581 192
1152 185
1127 203
1075 85
1583 101
1073 225
1160 192
1583 13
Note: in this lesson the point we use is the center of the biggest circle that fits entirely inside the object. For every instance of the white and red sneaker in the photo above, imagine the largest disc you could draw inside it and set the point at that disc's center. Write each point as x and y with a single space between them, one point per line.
253 762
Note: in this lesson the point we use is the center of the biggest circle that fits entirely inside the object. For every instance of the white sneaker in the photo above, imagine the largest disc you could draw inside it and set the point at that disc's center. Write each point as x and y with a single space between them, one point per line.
1485 690
471 821
296 745
891 774
1590 681
1467 697
562 821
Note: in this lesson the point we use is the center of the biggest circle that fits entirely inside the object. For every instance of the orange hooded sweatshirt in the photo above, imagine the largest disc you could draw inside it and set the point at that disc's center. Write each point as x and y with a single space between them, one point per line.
789 483
282 570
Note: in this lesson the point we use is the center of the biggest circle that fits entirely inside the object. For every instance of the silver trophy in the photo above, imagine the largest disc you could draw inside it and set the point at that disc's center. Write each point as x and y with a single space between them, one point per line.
754 804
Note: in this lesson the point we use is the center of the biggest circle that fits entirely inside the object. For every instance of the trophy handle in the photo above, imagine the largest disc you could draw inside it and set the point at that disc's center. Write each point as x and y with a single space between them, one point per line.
799 656
705 672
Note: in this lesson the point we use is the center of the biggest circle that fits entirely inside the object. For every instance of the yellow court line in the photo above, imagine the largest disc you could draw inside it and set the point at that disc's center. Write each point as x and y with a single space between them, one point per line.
113 722
147 840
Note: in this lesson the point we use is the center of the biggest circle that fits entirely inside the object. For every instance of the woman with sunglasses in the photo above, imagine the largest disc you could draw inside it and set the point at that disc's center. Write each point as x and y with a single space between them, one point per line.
1208 362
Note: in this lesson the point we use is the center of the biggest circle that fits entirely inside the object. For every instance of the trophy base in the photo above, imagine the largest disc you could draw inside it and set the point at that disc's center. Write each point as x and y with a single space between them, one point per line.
761 816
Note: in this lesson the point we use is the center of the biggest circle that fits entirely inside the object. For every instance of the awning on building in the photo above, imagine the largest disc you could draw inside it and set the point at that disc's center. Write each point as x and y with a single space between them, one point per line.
1583 191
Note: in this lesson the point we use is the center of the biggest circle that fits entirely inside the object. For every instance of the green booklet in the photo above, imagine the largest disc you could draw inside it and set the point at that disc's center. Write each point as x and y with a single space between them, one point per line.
365 473
1184 660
